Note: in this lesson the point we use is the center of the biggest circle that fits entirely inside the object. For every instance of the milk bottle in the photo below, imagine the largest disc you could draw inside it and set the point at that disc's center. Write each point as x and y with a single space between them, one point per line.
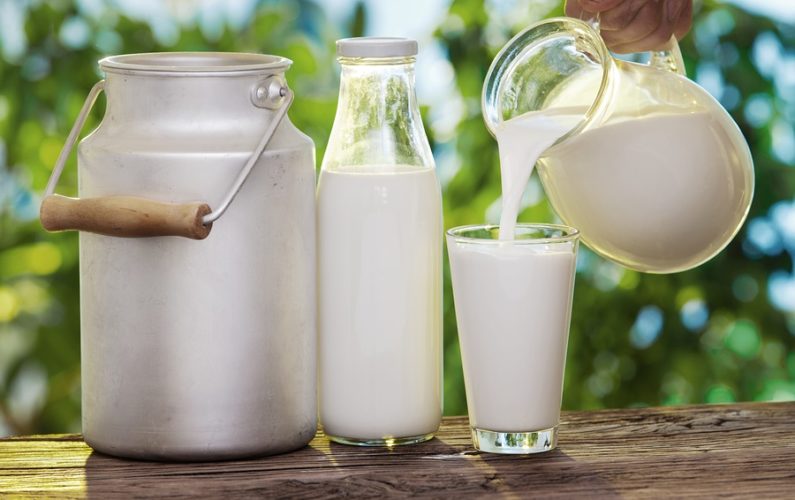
380 255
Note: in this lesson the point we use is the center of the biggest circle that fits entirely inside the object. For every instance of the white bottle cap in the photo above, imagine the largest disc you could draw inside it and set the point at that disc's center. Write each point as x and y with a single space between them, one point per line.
376 46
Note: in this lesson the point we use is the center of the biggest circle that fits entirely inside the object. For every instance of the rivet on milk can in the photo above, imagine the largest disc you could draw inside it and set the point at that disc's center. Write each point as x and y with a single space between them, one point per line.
194 350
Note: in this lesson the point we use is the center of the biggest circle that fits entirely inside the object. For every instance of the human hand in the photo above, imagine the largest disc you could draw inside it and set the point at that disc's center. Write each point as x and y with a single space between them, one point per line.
635 25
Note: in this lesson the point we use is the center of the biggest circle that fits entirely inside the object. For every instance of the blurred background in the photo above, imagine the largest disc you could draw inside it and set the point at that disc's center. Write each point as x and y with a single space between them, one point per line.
722 332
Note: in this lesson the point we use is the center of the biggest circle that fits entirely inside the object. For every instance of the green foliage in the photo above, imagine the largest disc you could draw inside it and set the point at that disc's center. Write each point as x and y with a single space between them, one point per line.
742 350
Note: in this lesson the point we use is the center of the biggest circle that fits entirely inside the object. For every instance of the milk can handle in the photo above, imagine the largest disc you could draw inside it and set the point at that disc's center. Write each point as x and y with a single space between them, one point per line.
133 217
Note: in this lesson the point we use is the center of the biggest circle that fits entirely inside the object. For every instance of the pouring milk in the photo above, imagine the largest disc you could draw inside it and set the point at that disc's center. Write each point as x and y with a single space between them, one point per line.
659 178
501 289
656 191
521 141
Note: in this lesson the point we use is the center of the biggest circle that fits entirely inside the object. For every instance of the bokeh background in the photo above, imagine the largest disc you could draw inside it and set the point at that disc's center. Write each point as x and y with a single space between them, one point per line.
722 332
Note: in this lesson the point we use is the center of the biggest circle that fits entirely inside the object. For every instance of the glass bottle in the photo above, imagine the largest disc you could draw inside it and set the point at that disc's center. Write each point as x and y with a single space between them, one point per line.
379 255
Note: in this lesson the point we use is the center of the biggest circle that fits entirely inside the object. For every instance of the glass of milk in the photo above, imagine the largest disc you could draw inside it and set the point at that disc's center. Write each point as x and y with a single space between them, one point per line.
513 306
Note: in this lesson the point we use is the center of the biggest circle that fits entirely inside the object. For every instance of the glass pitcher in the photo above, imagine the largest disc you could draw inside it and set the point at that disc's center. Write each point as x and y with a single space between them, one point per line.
653 172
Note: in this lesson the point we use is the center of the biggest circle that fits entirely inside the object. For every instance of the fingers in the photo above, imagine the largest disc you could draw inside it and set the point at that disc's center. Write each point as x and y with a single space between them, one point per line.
670 19
625 26
682 25
599 5
656 40
636 25
574 8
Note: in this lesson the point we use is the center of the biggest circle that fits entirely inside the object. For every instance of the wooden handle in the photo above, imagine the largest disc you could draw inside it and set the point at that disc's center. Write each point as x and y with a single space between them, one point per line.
125 216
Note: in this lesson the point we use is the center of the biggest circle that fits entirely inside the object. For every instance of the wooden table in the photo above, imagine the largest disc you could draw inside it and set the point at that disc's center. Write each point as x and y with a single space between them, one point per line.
740 450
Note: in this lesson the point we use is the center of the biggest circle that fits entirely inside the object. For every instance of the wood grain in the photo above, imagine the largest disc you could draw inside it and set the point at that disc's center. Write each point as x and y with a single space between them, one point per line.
742 451
124 216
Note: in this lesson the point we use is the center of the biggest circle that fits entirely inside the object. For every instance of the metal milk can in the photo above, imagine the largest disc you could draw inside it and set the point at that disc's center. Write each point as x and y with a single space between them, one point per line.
197 259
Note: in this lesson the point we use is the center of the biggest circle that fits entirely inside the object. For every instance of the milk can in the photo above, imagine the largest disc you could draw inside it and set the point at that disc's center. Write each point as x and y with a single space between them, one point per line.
197 259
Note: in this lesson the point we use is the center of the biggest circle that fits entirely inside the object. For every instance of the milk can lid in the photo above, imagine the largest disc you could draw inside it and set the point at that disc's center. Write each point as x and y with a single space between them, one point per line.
376 46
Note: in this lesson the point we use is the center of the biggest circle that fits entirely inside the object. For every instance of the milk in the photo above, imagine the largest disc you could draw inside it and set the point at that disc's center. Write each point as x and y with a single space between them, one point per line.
521 142
657 191
513 304
380 323
660 193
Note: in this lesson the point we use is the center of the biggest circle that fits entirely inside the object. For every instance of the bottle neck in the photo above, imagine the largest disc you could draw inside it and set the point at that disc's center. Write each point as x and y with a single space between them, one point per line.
378 121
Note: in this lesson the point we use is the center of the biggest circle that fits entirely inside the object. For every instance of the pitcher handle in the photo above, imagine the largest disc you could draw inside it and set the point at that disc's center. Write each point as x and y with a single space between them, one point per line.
134 217
670 58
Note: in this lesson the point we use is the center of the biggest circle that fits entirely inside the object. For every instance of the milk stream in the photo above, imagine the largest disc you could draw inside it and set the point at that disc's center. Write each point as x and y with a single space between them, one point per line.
380 338
513 307
521 142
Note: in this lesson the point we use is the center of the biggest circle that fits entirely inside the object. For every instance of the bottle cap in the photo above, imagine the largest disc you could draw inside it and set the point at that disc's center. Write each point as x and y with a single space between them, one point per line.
376 46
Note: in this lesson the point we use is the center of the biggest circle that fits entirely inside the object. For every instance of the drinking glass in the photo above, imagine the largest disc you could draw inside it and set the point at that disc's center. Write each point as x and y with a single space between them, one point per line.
513 306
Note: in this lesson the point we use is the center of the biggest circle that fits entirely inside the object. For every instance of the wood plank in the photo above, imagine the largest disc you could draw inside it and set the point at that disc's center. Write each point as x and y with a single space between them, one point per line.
739 450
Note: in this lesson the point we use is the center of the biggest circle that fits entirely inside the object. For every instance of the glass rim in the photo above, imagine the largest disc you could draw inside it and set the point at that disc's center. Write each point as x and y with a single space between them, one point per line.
193 63
569 234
